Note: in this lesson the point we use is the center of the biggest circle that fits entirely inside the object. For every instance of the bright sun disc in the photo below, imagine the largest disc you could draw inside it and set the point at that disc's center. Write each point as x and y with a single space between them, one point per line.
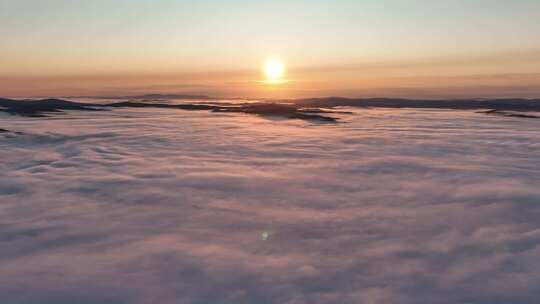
274 69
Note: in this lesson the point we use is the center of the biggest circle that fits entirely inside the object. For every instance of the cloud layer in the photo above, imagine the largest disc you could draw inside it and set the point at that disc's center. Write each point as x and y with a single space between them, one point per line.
158 206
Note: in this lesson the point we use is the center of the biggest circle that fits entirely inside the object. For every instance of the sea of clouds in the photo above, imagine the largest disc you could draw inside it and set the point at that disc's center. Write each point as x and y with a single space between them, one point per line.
153 206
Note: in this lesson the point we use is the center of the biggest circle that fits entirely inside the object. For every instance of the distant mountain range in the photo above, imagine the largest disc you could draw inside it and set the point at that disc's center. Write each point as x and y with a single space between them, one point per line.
454 104
307 109
40 108
148 97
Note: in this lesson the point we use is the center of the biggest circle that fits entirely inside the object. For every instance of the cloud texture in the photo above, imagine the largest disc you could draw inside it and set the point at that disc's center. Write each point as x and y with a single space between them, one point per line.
157 206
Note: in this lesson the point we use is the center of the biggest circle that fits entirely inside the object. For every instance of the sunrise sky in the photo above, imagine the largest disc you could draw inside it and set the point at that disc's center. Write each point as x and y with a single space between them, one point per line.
405 48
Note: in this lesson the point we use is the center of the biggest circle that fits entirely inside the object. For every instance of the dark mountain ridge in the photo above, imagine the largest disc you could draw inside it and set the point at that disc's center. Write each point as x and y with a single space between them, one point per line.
306 109
39 108
147 97
453 104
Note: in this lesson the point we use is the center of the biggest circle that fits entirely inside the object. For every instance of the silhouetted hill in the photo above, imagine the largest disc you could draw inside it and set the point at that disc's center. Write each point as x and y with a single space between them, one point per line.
38 107
456 104
509 114
306 109
279 110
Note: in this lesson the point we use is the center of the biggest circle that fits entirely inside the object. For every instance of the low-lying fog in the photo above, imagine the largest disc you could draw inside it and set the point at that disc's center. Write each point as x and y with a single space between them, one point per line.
168 206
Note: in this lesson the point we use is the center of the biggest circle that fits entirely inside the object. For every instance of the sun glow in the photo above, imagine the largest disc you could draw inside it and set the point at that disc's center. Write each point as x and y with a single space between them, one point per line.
274 71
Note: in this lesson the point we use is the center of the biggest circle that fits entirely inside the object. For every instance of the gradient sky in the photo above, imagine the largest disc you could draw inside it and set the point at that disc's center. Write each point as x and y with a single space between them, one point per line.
408 48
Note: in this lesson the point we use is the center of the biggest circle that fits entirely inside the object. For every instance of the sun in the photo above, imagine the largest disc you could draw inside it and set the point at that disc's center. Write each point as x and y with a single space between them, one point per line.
274 70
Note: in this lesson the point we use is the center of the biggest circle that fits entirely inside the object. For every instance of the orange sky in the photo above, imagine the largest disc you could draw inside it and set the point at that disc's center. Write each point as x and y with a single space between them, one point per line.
507 75
416 48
